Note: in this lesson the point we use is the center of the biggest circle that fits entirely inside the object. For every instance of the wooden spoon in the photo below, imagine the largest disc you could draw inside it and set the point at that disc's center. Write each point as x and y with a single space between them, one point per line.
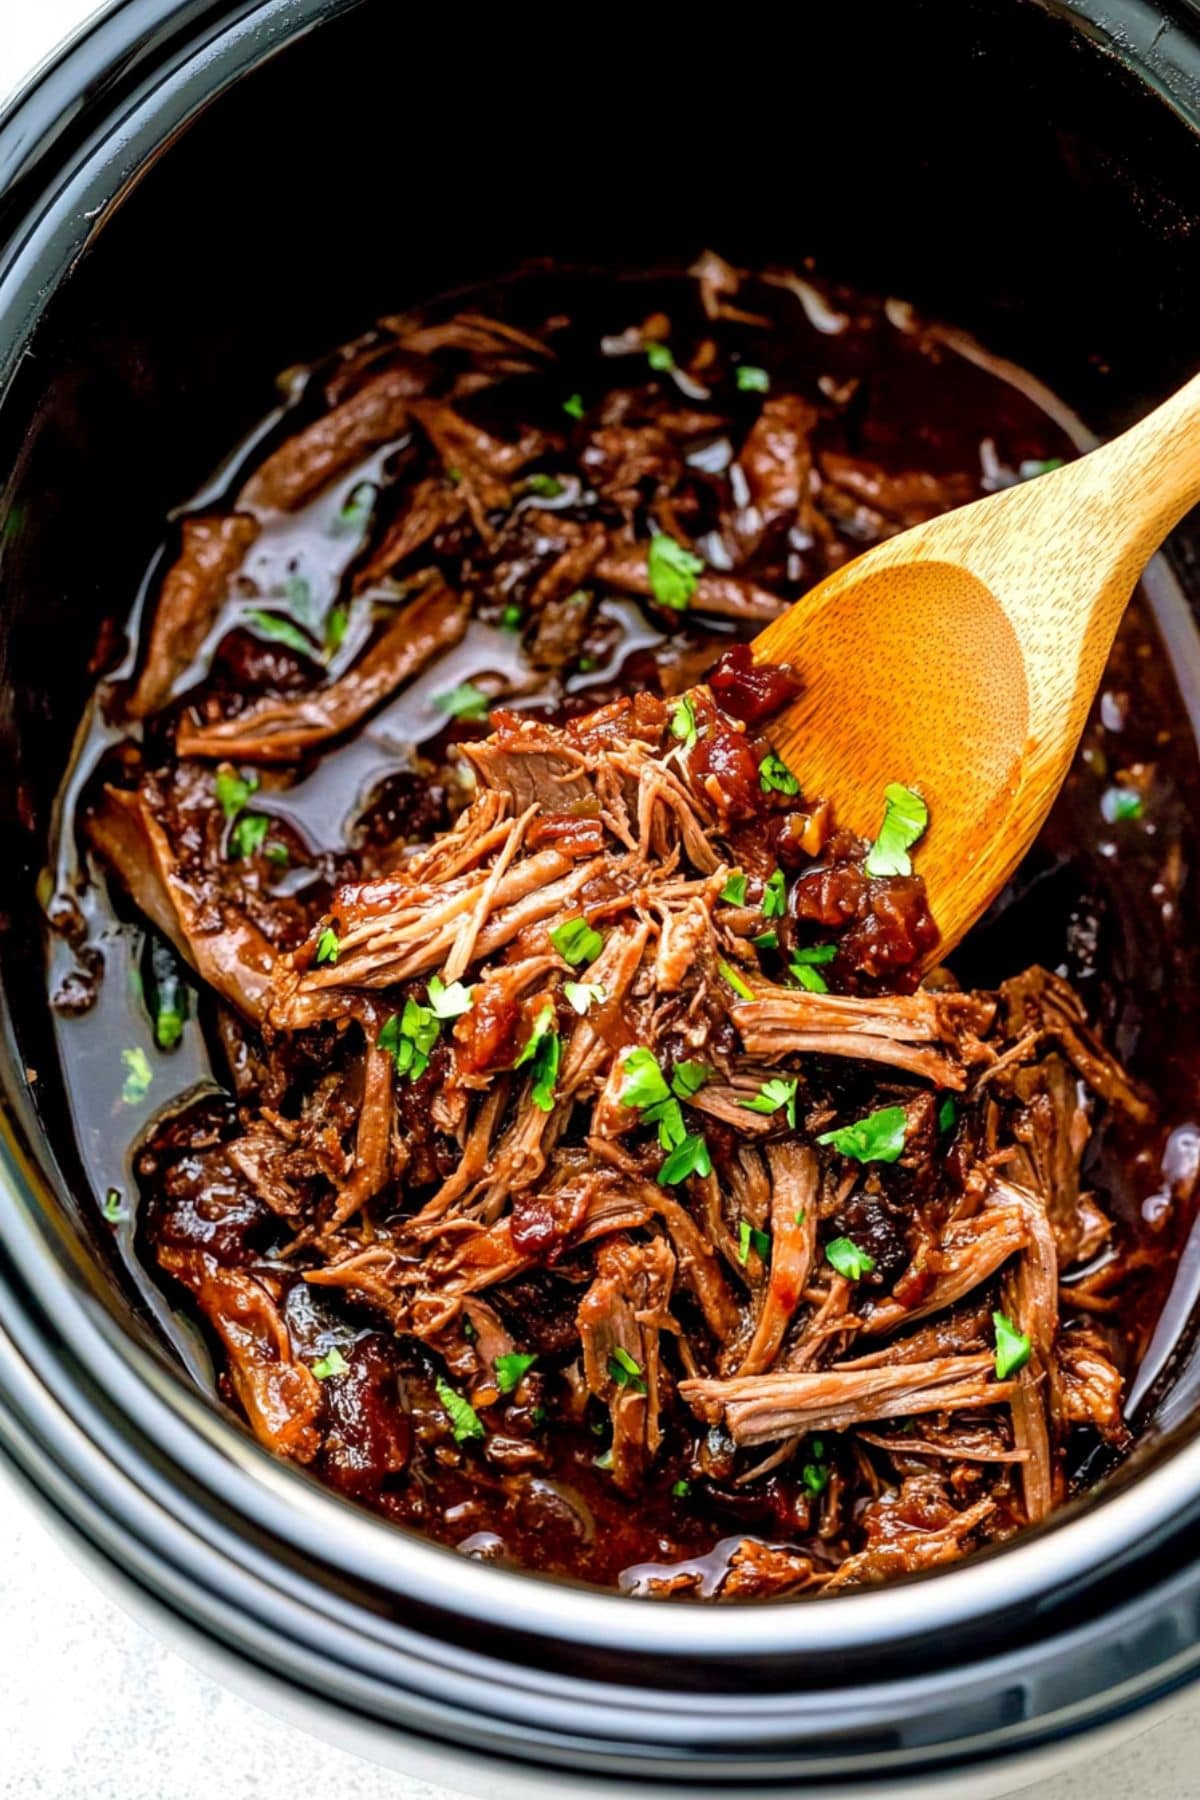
961 657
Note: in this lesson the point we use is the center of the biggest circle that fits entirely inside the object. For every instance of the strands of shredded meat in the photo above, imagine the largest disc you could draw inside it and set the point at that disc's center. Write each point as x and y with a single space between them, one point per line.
589 1132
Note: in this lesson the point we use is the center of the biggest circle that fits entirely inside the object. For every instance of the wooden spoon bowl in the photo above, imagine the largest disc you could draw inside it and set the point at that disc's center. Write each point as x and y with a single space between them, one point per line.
961 658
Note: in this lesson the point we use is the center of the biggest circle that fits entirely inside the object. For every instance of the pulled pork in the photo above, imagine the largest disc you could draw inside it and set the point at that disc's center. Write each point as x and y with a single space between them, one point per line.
597 1170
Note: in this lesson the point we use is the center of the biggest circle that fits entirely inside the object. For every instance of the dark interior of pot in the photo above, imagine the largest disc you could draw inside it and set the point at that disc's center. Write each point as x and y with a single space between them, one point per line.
991 163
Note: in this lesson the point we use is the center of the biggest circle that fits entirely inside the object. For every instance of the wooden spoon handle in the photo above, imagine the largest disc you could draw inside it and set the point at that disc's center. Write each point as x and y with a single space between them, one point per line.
1145 480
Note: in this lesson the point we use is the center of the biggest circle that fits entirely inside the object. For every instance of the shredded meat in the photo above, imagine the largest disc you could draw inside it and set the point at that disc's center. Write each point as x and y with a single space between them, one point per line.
586 1164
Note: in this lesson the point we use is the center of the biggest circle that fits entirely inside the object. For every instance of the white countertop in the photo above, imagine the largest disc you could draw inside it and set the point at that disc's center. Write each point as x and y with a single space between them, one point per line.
92 1707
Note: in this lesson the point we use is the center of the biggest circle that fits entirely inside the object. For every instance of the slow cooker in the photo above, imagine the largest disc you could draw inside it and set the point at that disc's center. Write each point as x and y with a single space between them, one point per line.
198 194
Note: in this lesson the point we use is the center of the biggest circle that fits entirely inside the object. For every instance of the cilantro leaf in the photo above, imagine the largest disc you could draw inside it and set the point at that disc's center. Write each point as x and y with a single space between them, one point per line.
247 835
683 722
583 995
905 816
1013 1348
329 946
282 629
688 1158
543 1049
687 1078
877 1138
335 627
815 1475
573 406
774 776
815 953
449 1002
546 487
355 511
774 901
576 941
138 1076
465 701
809 978
947 1115
752 380
626 1371
511 1367
512 618
734 891
465 1422
673 572
681 1489
848 1259
643 1082
332 1363
409 1038
750 1236
660 358
233 791
773 1096
1118 804
735 981
667 1115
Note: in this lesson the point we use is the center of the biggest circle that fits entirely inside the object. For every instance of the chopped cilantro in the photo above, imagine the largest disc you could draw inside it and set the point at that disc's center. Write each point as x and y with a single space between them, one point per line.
465 701
454 477
465 1422
774 900
546 487
1033 467
688 1158
247 835
233 791
335 627
511 1367
573 406
277 854
735 981
809 978
749 1236
774 776
1117 804
815 1475
329 946
283 630
449 1002
803 970
947 1115
626 1371
355 511
660 358
169 995
687 1078
681 1489
138 1076
577 942
734 891
774 1096
683 721
877 1138
848 1259
409 1037
543 1049
332 1363
905 816
752 380
673 572
643 1081
604 1460
511 619
583 995
113 1211
1012 1347
667 1116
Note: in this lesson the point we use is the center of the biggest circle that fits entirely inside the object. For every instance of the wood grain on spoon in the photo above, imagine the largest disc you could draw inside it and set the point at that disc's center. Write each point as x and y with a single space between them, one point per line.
961 658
